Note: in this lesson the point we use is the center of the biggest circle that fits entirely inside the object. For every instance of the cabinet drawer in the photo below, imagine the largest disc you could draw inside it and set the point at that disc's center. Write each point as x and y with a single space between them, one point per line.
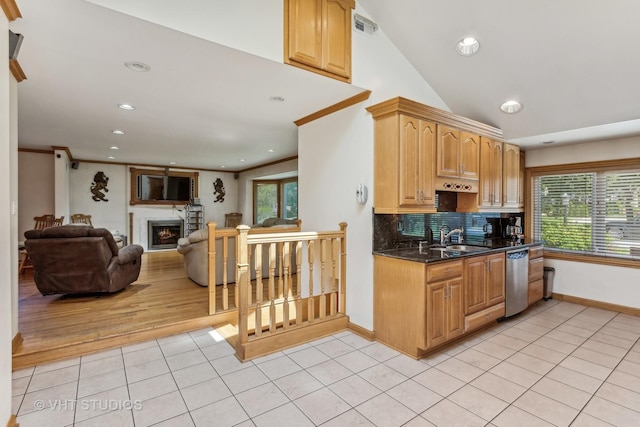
536 269
444 271
535 291
481 318
536 252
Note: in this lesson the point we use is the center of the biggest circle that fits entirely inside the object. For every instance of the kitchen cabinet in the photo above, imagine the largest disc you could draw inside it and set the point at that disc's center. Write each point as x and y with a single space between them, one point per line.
417 307
458 154
318 36
404 155
536 274
445 319
484 282
511 177
490 189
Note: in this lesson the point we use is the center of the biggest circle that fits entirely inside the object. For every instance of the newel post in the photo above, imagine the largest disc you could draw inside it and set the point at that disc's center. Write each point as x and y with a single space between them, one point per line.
244 278
211 268
343 269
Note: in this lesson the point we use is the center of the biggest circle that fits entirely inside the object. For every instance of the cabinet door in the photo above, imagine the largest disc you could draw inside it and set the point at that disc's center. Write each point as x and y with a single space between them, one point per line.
495 279
511 175
455 312
336 37
475 290
304 31
426 164
490 173
409 146
436 314
417 152
469 156
448 156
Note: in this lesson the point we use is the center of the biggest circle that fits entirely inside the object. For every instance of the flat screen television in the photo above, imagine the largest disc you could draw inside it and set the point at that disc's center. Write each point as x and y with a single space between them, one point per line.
164 188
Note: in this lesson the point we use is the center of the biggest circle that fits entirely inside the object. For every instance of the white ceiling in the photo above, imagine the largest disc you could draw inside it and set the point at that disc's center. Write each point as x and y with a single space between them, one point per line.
202 105
574 65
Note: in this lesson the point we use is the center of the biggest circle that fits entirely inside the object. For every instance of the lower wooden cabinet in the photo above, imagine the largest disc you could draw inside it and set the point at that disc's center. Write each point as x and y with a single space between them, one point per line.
536 274
483 282
444 316
418 307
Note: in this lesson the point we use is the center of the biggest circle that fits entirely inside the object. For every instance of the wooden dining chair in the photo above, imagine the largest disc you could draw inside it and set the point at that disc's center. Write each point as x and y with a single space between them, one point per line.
40 223
81 219
232 219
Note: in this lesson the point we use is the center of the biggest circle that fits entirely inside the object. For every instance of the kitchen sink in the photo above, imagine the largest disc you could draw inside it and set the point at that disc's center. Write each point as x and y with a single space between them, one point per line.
465 248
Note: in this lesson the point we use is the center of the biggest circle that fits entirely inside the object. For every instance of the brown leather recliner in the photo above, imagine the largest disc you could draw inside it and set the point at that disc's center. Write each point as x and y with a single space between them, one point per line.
73 259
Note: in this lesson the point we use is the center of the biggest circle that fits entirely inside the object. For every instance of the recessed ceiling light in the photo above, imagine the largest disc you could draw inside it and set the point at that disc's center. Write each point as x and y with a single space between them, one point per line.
276 99
127 107
113 147
172 163
547 142
467 46
117 132
137 66
511 107
242 160
222 166
110 157
271 150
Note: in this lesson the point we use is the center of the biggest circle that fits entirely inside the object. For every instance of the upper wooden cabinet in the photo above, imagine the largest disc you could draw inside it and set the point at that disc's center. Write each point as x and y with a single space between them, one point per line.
318 36
490 190
404 154
458 154
511 177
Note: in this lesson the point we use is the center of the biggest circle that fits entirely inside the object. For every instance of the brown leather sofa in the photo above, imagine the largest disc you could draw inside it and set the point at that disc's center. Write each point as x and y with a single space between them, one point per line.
73 259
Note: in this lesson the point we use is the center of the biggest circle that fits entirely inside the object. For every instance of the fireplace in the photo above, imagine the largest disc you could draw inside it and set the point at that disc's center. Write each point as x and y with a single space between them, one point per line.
164 234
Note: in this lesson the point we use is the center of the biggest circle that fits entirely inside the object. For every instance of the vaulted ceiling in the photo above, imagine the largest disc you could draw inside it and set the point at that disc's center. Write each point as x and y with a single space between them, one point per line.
573 64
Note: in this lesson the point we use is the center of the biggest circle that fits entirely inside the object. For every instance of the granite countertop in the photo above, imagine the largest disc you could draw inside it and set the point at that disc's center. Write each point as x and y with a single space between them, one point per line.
433 253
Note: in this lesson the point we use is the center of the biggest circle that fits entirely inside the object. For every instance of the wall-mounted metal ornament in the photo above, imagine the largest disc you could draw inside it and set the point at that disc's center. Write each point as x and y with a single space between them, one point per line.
218 188
100 181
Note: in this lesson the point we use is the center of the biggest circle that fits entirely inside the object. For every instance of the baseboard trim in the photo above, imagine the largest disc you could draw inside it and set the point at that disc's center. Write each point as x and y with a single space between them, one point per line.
16 342
597 304
13 422
363 332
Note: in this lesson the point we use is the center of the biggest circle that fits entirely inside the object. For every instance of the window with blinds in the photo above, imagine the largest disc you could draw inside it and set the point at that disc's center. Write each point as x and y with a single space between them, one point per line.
595 212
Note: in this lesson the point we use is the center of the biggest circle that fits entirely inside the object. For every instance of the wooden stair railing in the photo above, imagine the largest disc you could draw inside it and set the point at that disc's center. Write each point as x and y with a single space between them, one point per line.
281 319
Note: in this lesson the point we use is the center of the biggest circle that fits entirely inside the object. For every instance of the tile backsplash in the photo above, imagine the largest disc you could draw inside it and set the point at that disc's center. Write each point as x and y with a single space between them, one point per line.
402 230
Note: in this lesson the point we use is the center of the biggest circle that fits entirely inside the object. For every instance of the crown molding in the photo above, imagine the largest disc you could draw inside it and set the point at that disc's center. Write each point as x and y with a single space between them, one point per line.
10 9
16 70
362 96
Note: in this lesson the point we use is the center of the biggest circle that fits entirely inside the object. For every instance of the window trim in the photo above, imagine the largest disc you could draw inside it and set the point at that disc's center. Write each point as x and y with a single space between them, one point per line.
599 166
280 183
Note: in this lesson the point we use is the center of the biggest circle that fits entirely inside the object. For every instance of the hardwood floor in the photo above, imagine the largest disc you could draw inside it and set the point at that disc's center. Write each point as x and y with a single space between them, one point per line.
161 302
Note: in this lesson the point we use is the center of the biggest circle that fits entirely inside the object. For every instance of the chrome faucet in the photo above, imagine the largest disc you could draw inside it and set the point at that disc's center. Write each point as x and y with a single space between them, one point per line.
445 236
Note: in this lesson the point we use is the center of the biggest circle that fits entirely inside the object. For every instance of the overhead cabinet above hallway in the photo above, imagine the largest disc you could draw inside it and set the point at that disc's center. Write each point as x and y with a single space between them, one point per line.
318 36
419 150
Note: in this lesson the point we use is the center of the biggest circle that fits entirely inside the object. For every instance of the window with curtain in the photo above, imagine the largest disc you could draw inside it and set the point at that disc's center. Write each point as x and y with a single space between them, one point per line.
275 198
594 212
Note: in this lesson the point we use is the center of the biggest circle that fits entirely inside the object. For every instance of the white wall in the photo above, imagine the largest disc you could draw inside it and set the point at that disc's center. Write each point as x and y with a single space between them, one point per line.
43 175
36 189
6 244
14 202
336 154
61 167
615 285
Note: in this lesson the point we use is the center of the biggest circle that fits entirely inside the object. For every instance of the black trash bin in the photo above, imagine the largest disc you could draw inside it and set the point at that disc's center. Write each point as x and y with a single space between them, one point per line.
549 272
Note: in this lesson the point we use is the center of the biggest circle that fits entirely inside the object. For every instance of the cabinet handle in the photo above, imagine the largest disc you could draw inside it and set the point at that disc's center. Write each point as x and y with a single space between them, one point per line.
418 195
446 292
461 169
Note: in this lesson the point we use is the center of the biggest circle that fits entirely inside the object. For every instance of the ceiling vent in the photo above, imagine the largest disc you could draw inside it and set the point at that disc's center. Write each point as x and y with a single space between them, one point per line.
364 25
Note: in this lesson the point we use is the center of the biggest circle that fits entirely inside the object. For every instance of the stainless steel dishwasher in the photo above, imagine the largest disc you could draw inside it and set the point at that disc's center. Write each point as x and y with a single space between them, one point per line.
517 281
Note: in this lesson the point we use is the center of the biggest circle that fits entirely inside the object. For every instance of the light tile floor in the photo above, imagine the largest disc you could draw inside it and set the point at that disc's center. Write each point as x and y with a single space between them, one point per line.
556 364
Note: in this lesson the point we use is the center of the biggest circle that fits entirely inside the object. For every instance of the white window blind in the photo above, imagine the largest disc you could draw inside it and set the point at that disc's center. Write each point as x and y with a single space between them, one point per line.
595 212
